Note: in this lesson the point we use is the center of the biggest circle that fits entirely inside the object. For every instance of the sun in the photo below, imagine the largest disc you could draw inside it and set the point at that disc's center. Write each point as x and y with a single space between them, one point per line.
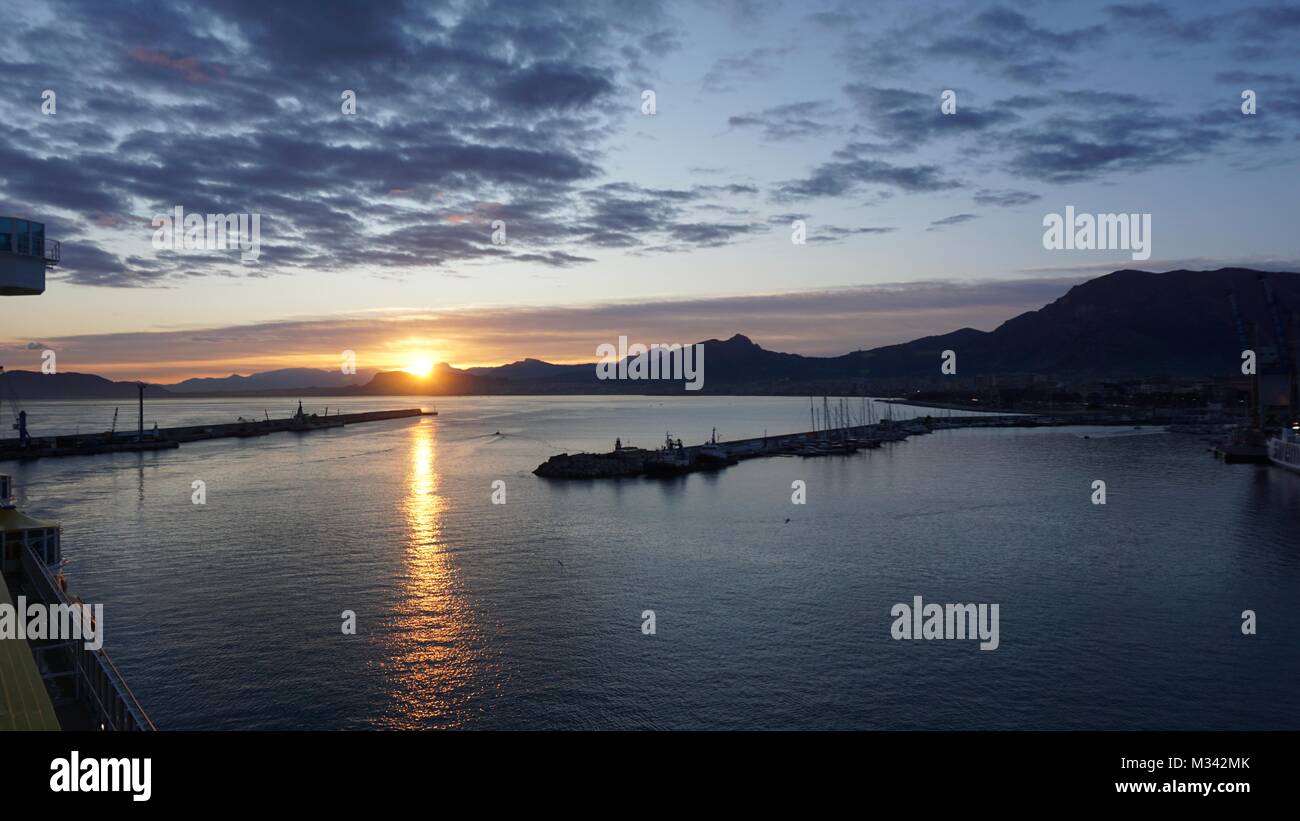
422 366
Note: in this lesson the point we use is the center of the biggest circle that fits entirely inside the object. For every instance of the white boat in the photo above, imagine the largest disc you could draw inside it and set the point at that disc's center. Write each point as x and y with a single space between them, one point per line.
711 453
1284 449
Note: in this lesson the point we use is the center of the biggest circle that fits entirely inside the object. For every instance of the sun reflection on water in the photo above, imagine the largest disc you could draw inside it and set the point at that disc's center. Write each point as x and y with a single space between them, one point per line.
432 656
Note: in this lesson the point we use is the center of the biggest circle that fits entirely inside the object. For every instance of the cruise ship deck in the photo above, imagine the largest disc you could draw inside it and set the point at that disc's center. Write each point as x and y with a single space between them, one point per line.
24 702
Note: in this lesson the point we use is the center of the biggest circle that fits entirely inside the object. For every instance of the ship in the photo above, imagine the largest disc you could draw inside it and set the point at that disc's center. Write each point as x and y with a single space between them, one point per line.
1284 449
49 683
712 454
670 460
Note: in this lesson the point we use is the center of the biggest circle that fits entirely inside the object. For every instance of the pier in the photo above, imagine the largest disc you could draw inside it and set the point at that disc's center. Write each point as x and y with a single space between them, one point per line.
88 444
675 459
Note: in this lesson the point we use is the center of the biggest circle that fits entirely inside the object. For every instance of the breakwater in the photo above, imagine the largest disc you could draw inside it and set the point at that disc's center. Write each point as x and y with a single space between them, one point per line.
674 459
88 444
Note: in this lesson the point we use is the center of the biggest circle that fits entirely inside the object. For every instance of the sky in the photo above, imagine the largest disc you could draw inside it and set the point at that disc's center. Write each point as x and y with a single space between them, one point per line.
377 226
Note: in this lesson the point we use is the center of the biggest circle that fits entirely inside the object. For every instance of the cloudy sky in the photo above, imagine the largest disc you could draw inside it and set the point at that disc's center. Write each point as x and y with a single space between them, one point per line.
377 227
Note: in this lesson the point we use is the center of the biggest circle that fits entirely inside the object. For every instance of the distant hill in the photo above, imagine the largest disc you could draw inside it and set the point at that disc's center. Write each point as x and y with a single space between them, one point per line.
737 358
444 381
285 378
22 386
528 369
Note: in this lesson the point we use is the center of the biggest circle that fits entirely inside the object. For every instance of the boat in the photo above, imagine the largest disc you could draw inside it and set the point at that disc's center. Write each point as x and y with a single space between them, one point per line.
821 448
54 682
712 454
301 422
18 530
670 460
1284 449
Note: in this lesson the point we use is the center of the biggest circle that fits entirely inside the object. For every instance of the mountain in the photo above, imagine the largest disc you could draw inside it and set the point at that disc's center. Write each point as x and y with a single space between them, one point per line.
285 378
528 369
444 381
21 386
1128 324
736 357
1124 325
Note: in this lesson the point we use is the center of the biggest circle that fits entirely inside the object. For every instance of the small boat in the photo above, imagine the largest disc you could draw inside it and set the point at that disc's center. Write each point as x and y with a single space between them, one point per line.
713 454
301 422
670 460
1284 449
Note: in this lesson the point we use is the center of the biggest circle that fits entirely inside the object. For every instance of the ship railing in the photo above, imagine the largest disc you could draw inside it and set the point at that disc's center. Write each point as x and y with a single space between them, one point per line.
52 252
99 684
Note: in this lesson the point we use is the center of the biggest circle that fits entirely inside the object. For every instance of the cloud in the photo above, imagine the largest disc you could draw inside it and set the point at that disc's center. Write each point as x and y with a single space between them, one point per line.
88 264
906 119
187 66
519 111
849 172
1103 133
1154 20
996 40
1004 198
553 87
955 219
1005 42
511 104
730 71
790 121
828 234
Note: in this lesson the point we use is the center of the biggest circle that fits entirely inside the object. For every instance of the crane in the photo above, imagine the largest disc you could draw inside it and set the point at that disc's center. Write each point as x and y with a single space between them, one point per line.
1245 345
1280 340
20 415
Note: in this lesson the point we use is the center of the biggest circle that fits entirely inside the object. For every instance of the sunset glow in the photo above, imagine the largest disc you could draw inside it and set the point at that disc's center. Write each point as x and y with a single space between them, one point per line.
421 367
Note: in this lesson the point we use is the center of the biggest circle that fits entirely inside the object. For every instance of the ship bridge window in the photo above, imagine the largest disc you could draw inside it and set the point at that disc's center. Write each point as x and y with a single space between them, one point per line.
22 242
45 544
6 234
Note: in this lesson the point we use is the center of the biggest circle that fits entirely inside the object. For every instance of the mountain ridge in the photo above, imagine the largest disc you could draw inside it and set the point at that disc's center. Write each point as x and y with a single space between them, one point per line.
1129 324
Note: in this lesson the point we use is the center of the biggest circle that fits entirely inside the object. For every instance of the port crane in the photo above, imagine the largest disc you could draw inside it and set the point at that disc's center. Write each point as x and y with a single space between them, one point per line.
1272 403
1286 360
1244 340
20 415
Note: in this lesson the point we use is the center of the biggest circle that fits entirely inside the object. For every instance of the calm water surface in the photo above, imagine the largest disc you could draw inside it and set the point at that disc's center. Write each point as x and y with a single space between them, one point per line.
528 614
